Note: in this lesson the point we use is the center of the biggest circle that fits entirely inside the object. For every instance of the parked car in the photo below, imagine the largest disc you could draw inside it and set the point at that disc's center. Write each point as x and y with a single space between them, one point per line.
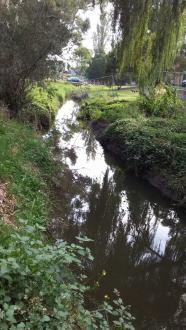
74 80
183 83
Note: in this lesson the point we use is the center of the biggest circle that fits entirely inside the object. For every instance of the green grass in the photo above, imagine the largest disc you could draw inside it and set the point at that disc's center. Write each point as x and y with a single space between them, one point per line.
26 165
104 92
148 143
43 100
104 103
25 160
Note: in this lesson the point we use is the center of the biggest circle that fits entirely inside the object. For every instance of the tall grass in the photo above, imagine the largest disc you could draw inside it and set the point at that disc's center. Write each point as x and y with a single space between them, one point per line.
25 164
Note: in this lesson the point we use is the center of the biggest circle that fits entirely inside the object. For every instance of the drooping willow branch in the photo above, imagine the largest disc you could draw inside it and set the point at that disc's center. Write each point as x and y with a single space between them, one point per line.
152 32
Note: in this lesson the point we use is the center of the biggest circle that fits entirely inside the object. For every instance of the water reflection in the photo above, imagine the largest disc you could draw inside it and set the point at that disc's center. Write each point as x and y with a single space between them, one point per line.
139 237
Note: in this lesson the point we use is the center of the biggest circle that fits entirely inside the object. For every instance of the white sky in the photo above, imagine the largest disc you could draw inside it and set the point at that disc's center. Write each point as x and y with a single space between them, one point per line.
93 14
94 17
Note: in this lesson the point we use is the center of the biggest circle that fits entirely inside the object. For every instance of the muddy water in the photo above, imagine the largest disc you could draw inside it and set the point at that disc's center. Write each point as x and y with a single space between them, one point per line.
139 236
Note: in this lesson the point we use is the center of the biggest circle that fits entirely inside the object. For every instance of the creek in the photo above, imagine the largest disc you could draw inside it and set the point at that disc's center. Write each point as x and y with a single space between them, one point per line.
139 237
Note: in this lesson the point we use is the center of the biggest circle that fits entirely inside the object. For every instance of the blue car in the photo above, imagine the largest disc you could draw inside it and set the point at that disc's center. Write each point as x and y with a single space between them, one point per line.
74 80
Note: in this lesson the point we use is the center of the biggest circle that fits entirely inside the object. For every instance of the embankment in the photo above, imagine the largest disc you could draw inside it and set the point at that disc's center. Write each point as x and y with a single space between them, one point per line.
153 148
120 151
39 287
42 102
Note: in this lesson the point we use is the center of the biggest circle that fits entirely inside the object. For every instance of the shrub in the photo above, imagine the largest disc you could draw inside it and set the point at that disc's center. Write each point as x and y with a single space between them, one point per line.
42 102
110 110
162 102
40 290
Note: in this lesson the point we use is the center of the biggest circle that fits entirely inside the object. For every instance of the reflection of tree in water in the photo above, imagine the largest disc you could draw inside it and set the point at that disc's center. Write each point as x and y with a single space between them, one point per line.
71 154
71 135
68 130
148 278
123 225
90 143
123 220
104 203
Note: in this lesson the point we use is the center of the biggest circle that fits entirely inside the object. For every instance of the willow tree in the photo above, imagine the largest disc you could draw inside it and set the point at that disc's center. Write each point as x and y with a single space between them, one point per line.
151 33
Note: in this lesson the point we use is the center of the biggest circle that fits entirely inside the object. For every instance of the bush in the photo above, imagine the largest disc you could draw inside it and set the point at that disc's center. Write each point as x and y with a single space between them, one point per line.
39 290
149 145
42 102
110 110
162 102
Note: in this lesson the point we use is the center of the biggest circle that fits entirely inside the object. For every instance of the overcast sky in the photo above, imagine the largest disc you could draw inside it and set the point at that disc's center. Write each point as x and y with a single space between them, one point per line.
94 17
93 14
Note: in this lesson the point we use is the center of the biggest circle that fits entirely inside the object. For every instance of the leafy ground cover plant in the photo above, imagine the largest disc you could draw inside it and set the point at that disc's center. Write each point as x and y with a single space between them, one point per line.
39 290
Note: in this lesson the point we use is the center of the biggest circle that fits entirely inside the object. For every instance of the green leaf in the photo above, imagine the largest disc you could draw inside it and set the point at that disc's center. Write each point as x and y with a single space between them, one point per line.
46 318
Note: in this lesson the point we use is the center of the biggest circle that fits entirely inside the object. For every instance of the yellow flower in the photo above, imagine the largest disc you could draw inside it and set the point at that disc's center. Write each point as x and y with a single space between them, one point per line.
104 273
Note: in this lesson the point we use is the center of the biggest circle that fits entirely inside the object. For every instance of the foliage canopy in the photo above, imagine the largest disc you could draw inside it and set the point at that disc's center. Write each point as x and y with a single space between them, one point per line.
151 33
30 31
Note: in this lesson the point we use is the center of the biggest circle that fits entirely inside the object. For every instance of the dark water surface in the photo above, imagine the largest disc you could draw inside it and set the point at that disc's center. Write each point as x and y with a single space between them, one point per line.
139 236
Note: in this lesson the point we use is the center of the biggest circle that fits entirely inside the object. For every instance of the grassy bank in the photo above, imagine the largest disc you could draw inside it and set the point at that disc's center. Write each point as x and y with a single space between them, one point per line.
39 288
42 102
149 138
25 164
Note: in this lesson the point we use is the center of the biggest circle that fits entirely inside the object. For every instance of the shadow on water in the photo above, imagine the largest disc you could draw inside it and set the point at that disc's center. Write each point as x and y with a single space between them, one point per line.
139 237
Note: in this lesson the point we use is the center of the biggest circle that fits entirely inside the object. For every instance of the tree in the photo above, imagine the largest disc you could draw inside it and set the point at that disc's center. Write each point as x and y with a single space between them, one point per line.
82 58
112 68
151 31
100 37
98 64
30 31
180 61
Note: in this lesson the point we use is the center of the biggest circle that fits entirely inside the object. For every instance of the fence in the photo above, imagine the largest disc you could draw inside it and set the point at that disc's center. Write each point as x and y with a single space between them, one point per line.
173 78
